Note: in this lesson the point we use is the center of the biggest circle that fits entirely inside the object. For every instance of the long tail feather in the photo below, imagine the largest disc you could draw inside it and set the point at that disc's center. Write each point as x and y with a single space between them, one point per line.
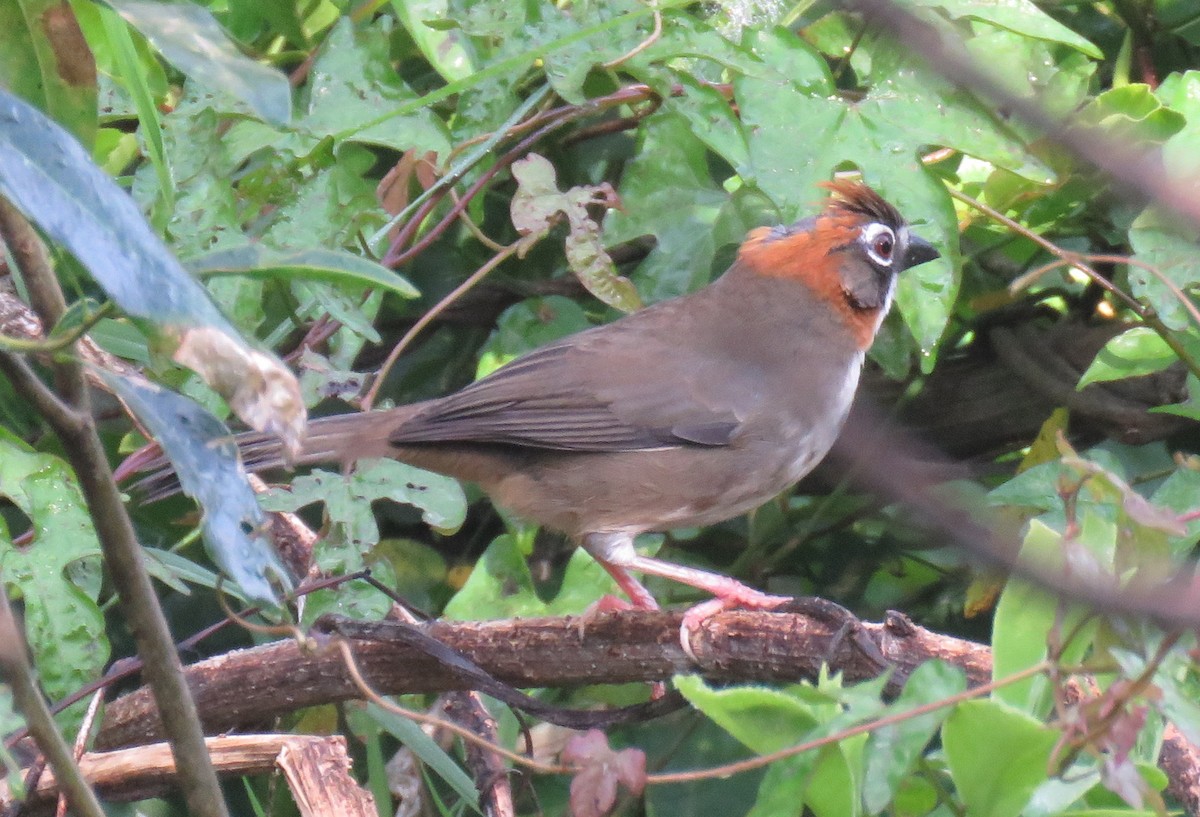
340 438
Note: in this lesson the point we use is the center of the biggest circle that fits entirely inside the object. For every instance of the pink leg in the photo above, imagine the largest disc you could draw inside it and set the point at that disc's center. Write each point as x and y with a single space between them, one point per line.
631 587
615 553
728 594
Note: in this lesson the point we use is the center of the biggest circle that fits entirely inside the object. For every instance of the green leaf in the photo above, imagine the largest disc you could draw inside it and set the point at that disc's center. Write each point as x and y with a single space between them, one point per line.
202 451
440 499
1025 616
1180 704
122 339
525 326
500 586
1061 85
419 570
835 788
997 756
1177 494
1134 352
585 581
488 18
582 45
1170 249
1181 17
205 213
448 50
1132 112
190 39
45 60
353 83
332 208
331 266
783 789
668 192
713 121
56 575
177 572
348 498
892 751
354 533
49 177
765 720
129 69
431 754
828 780
1181 93
704 47
1020 16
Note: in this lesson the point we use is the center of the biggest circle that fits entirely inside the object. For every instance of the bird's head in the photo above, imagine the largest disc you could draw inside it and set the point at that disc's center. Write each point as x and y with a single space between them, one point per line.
849 254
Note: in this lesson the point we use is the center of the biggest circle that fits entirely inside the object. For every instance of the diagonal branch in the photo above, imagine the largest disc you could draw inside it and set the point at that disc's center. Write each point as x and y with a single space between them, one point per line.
69 414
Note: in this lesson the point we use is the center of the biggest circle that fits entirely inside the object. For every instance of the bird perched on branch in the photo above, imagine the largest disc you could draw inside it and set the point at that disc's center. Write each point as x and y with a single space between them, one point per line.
686 413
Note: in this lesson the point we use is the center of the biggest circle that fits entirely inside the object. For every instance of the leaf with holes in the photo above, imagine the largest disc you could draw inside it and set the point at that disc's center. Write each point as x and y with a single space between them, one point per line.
56 573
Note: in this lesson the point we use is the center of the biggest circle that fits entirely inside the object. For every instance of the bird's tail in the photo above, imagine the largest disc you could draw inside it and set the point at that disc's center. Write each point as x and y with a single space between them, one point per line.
340 438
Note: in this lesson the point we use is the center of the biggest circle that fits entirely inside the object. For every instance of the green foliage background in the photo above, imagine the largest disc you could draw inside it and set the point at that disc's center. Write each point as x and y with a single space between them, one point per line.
254 136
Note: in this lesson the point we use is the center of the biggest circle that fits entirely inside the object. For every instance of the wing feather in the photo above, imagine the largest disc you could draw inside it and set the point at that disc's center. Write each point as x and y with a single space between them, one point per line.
558 398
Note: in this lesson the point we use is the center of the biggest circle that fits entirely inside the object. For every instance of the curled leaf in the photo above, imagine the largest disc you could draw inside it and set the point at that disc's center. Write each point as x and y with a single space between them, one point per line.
538 205
50 178
260 389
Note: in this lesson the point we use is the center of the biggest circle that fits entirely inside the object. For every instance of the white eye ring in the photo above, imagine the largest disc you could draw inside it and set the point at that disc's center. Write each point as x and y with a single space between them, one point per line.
879 240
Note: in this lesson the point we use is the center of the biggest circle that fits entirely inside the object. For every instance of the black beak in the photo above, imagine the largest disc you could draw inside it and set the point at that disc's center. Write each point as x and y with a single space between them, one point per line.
919 251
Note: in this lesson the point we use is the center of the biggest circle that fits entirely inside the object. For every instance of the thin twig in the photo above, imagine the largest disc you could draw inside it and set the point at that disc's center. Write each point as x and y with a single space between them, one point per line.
29 385
425 319
467 735
1080 261
81 742
422 205
640 47
50 345
475 230
514 153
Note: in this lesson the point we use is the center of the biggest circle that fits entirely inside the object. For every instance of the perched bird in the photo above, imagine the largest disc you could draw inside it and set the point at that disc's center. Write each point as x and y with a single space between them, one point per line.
686 413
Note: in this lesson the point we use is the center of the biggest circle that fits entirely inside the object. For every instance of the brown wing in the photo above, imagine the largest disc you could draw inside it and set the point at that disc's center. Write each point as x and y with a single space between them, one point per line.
594 391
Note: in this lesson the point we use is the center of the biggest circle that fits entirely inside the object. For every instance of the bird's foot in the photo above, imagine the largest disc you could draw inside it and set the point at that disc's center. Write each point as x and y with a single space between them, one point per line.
605 604
616 604
611 604
731 596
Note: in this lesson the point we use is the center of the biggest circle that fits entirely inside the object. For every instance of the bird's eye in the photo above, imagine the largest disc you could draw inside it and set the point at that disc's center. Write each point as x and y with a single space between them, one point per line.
880 242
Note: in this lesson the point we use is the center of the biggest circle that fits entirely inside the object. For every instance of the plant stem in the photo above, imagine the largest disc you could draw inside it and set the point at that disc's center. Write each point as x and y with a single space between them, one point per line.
69 414
14 666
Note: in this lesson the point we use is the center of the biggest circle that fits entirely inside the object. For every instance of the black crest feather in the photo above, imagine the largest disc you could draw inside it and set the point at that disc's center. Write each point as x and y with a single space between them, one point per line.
856 198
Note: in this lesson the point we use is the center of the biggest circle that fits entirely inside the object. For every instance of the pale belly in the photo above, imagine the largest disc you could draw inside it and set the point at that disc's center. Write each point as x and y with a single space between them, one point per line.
640 491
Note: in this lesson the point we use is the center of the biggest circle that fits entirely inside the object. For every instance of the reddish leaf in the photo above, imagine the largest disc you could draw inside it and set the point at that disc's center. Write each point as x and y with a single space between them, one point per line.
594 789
